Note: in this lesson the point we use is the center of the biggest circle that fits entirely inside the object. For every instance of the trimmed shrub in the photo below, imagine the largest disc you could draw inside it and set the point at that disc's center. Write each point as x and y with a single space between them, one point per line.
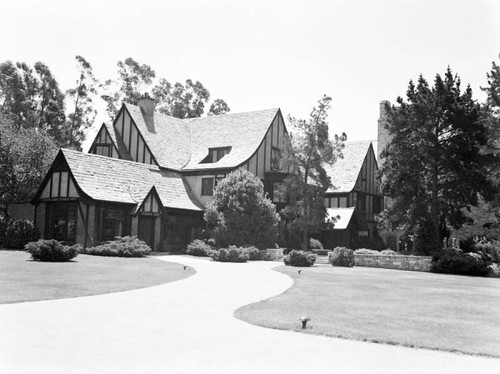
231 254
300 258
240 212
494 270
51 251
341 256
253 253
19 232
127 246
492 249
198 248
315 244
454 262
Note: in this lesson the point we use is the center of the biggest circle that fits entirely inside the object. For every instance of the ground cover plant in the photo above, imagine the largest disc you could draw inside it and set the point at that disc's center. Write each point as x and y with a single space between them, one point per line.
436 311
24 280
127 246
50 250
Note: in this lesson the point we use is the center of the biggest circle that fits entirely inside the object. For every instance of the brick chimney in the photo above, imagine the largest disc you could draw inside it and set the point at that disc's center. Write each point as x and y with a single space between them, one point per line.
147 105
383 137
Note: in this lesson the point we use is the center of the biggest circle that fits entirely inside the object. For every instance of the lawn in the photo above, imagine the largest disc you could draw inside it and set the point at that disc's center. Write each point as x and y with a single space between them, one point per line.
414 309
24 280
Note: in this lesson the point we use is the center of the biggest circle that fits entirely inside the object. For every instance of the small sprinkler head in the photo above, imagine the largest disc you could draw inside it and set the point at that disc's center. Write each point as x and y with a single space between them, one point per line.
185 267
299 271
304 321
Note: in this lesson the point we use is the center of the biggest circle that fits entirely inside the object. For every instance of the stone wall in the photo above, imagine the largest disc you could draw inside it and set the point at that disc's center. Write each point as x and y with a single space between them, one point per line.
275 254
414 263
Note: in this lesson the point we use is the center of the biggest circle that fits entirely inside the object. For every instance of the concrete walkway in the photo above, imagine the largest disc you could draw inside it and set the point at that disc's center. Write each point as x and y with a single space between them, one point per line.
188 327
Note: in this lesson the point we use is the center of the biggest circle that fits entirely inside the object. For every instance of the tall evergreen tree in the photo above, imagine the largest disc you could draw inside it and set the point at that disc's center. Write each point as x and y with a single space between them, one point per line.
434 164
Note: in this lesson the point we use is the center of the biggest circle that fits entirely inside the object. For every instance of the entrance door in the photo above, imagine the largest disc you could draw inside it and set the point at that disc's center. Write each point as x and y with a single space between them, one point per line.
146 230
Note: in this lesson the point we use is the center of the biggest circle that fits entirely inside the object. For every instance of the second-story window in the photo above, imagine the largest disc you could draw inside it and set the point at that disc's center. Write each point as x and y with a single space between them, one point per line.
276 159
102 149
207 186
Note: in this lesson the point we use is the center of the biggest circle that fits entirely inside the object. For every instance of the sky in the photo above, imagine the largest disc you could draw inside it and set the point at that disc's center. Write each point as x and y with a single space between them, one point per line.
265 54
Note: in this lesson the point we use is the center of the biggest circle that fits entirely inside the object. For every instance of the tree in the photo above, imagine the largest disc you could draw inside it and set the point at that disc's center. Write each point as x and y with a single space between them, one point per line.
186 100
433 164
83 114
218 107
133 79
25 157
310 148
32 99
241 214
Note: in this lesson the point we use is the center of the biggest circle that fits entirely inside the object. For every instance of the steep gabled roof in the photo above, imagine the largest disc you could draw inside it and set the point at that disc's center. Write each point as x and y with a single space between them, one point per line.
170 143
344 173
242 131
109 179
183 144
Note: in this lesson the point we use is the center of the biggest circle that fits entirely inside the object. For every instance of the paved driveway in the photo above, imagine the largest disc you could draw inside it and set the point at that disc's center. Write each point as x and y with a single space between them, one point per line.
188 327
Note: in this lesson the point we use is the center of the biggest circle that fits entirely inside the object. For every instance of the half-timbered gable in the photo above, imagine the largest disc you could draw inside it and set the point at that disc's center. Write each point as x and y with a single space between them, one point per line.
105 143
355 193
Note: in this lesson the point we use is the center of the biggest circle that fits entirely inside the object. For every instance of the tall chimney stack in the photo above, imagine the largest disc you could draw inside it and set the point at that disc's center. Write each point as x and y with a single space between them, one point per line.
383 137
147 105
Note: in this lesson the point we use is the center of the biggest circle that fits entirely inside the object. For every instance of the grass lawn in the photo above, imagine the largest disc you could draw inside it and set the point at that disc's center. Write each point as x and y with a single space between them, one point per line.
24 280
436 311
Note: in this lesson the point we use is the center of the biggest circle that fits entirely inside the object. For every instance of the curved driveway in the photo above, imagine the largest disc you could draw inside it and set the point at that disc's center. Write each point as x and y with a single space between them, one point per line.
188 327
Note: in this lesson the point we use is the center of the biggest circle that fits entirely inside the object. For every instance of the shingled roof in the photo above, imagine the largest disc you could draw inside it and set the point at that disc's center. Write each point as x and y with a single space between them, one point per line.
115 180
183 144
344 173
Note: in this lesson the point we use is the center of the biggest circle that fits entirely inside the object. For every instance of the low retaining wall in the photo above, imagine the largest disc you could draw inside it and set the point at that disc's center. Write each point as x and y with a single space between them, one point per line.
275 254
414 263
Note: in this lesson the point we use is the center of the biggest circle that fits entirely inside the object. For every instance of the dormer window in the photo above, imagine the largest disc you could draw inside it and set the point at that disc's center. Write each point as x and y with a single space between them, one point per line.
215 154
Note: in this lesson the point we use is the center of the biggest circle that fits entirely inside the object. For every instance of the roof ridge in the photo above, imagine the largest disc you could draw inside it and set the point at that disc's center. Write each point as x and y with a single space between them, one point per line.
115 159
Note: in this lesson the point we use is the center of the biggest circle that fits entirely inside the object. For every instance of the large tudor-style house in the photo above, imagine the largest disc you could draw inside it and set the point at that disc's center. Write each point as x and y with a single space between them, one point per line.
151 175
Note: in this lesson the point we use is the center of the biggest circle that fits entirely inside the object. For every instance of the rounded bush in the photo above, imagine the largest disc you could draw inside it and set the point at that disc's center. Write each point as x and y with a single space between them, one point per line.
127 246
51 251
19 232
341 256
231 254
198 248
454 262
300 258
315 244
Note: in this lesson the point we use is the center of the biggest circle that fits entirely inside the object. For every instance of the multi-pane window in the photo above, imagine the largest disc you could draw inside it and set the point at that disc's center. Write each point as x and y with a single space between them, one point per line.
113 223
276 159
63 222
102 149
207 186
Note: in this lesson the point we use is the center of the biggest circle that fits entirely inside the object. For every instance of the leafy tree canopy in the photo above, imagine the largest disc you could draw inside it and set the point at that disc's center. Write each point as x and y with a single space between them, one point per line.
25 157
241 214
434 165
178 100
310 148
